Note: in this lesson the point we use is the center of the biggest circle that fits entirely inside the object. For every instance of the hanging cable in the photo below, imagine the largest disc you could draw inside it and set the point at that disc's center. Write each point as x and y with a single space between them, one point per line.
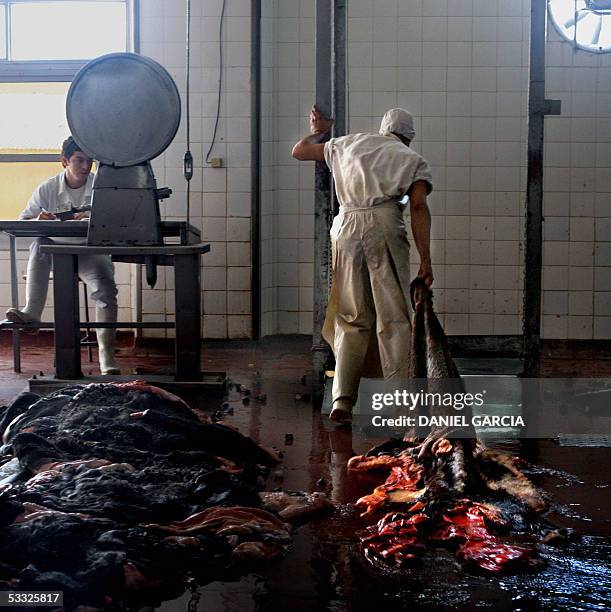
188 159
218 102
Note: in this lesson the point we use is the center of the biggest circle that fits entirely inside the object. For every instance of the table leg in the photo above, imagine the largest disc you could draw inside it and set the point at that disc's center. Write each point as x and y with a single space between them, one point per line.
15 303
67 316
187 300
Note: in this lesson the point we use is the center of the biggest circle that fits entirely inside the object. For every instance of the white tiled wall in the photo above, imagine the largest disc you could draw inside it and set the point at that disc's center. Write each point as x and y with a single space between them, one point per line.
220 197
288 76
461 67
577 249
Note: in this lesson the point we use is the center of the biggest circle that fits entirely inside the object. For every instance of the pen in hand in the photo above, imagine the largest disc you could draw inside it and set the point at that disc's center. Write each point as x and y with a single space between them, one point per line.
45 215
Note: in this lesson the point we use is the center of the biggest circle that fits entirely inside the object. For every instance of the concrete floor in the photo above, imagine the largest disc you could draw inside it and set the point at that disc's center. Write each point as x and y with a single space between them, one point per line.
321 571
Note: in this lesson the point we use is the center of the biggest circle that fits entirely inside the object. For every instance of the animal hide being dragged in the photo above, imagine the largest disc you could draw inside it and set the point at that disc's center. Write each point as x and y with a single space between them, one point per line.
439 486
430 355
430 359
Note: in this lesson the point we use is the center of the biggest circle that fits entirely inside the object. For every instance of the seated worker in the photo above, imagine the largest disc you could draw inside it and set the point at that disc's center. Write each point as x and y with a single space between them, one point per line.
367 323
71 188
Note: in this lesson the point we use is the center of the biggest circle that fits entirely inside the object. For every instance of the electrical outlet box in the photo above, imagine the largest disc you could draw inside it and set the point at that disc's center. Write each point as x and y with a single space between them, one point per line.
216 162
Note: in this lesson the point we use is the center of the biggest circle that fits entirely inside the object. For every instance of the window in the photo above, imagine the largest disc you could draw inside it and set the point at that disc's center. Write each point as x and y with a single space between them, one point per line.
51 39
39 117
18 181
43 44
585 23
30 142
3 32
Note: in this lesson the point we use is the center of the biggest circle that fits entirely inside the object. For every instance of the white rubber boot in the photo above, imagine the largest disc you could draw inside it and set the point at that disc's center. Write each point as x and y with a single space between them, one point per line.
342 411
36 288
107 341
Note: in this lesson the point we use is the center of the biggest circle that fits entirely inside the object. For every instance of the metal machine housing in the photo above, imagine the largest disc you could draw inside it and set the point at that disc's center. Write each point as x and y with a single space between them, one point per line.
125 207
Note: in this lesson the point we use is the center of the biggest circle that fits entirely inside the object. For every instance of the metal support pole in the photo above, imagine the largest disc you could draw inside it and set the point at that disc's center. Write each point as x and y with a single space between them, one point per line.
331 100
340 124
323 203
255 153
538 107
15 303
340 21
66 305
187 300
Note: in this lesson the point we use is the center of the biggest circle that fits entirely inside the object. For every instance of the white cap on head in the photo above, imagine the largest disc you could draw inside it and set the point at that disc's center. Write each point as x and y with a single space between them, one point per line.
399 121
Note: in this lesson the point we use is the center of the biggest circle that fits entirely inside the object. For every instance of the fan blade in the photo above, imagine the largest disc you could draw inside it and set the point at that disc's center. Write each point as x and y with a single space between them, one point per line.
577 18
596 35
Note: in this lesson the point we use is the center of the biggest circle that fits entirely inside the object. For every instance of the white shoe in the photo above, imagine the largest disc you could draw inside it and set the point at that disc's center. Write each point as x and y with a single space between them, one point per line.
107 341
36 288
22 318
15 315
106 355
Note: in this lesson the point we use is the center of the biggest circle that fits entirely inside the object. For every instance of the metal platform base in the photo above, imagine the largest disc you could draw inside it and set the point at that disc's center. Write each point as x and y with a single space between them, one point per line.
212 384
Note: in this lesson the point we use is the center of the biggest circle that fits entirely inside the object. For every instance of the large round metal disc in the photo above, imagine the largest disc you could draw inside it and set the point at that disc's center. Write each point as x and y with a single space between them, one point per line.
123 109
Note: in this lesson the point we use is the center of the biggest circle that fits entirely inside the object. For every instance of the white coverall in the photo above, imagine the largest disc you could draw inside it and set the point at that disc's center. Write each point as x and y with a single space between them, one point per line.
96 271
370 254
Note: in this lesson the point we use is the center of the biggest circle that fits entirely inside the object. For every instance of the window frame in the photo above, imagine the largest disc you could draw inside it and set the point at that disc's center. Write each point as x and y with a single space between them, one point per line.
59 71
32 71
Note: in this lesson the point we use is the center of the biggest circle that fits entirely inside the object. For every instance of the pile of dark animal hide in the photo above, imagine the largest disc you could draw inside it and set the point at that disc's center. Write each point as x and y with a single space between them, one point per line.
443 490
108 491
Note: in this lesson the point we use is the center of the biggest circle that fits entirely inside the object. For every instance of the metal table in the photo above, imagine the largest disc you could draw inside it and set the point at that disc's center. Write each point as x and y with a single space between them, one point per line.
187 234
187 300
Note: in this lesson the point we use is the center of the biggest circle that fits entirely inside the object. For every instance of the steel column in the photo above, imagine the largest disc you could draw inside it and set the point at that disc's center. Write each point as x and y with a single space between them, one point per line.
255 168
187 300
66 306
340 125
323 199
538 107
331 100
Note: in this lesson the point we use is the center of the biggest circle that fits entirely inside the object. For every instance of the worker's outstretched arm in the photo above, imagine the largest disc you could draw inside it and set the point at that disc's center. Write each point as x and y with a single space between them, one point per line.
421 228
311 148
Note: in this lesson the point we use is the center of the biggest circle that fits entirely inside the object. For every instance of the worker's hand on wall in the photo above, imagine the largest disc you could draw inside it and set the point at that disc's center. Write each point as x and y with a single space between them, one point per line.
319 123
426 272
46 216
80 215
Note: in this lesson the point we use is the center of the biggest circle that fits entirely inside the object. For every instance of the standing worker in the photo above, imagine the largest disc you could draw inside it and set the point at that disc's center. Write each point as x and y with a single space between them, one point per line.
370 250
70 189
